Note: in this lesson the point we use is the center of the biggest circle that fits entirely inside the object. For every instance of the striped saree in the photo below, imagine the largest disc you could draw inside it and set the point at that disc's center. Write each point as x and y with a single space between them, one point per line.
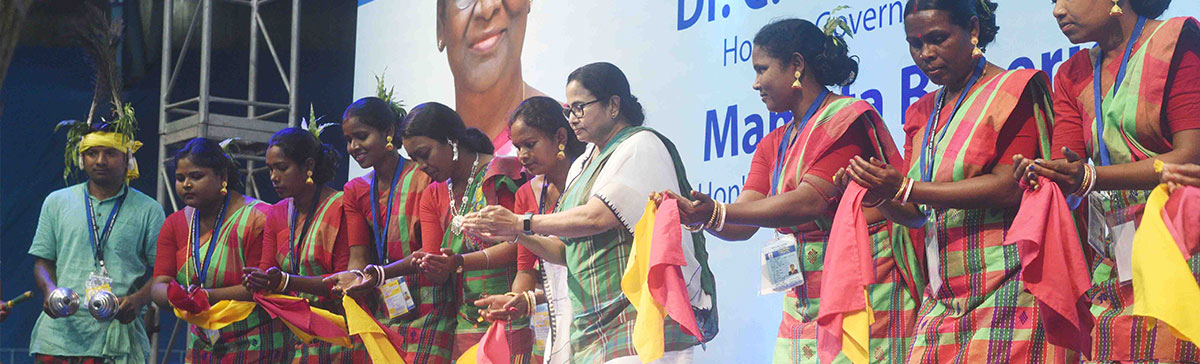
316 255
1132 132
892 301
976 308
258 338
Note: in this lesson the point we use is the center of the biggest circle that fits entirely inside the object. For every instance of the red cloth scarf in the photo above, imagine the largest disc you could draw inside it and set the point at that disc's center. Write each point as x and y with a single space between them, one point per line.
1053 266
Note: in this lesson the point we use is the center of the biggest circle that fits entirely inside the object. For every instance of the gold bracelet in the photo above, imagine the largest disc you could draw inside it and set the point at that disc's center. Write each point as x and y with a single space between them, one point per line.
712 221
900 191
283 282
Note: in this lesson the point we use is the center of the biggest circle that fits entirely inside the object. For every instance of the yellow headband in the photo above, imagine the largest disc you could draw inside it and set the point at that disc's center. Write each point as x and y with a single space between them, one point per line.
115 141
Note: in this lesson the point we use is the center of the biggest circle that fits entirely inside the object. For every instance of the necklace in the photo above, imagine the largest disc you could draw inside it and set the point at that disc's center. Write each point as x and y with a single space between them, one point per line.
456 221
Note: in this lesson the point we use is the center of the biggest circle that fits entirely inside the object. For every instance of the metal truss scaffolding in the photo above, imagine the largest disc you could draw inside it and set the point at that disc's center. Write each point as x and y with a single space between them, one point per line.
182 120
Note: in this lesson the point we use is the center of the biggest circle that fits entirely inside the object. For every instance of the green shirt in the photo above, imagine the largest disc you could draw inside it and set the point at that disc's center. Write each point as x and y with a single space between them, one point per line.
62 237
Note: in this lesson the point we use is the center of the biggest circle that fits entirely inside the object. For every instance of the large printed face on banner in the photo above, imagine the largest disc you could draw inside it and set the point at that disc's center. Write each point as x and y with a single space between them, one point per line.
482 40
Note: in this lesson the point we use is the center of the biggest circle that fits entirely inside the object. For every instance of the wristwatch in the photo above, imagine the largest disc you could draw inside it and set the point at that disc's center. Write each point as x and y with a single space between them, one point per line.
527 224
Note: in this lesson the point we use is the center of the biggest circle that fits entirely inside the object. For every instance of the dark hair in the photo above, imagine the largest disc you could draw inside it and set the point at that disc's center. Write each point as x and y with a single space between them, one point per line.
605 80
829 58
1150 8
376 113
961 12
439 122
546 115
207 153
300 145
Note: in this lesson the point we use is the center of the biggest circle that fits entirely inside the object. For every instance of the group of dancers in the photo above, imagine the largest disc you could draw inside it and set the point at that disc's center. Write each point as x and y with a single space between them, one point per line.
449 238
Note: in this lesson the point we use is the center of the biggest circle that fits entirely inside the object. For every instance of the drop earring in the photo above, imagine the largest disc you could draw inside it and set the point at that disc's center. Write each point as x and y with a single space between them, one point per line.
389 145
1116 9
455 147
796 84
977 53
561 152
224 190
309 181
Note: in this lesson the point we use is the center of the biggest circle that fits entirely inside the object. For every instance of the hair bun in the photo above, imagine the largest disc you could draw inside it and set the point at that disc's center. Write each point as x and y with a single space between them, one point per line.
834 64
1150 8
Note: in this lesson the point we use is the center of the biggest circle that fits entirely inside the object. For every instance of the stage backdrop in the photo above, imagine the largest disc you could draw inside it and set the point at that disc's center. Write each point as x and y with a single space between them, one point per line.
688 63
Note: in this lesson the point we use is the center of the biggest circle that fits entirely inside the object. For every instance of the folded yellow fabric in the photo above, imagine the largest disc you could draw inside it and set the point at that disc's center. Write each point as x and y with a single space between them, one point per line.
305 321
1163 285
221 314
374 337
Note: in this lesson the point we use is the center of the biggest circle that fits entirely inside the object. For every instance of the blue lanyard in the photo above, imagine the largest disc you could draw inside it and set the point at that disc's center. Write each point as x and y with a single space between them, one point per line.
202 269
293 243
98 242
542 198
788 139
381 234
1102 147
931 145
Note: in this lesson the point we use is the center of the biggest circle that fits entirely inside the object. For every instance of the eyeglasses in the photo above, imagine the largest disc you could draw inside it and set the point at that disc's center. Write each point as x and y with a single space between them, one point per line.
576 109
464 4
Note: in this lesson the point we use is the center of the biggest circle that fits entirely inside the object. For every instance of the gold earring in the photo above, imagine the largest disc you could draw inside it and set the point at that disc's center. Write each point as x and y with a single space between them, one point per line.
309 181
977 53
1116 9
224 190
561 155
441 45
796 84
389 145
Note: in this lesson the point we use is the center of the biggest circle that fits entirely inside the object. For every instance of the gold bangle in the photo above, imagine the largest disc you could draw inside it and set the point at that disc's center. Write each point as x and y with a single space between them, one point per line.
283 282
900 191
712 221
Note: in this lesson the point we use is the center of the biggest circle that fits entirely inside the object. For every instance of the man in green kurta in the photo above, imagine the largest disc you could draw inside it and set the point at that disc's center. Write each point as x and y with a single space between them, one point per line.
99 223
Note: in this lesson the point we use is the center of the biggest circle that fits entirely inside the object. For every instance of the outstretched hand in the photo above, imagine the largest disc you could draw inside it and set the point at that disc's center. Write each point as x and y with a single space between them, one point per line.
694 211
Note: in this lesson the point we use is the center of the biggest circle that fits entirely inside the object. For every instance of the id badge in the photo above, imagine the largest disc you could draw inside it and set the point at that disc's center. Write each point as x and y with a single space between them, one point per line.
397 297
1123 250
780 265
540 319
933 259
1110 235
97 282
212 335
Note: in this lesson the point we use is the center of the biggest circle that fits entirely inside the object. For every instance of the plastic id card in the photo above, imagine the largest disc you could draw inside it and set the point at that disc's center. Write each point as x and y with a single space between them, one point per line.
780 265
397 297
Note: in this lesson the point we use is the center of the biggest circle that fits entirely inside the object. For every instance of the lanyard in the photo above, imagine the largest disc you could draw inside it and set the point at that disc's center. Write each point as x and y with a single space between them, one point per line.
202 269
382 233
788 139
293 243
931 145
1102 147
542 198
99 240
